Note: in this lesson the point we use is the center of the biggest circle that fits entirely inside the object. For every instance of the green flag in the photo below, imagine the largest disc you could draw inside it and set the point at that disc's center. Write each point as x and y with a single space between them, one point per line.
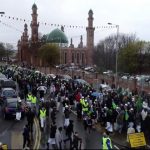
138 104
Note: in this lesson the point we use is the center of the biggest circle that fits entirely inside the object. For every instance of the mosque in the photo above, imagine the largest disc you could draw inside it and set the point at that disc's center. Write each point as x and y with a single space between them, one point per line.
80 56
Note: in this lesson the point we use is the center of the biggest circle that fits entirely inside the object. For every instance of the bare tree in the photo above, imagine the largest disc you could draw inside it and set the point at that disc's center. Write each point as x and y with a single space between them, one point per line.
105 51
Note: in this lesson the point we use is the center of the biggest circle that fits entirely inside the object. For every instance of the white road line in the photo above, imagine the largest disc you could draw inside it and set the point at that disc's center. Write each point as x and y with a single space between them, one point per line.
116 147
36 134
39 136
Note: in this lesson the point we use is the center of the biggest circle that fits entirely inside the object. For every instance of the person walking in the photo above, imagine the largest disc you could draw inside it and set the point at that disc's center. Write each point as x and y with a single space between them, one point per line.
26 136
69 132
52 139
67 114
42 90
53 114
59 138
18 111
106 142
77 141
33 103
30 118
42 117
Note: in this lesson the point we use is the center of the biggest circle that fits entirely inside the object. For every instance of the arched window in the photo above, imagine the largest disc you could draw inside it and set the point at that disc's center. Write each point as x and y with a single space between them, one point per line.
72 57
82 58
65 57
77 58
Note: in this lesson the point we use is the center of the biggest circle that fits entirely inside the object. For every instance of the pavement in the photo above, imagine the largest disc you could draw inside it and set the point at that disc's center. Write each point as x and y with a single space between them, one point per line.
91 140
87 143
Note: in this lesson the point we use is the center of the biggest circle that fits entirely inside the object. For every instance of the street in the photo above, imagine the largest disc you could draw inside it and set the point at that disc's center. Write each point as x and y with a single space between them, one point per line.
10 132
90 141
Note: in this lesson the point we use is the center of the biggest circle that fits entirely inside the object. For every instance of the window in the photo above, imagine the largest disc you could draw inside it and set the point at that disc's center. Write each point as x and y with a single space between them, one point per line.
82 58
72 57
65 57
77 58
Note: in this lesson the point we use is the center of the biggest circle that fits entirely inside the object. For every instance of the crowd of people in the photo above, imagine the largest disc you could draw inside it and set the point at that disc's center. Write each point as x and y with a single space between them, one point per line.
115 110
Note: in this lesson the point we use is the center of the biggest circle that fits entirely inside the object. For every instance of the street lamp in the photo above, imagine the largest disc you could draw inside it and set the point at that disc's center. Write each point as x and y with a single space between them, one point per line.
117 48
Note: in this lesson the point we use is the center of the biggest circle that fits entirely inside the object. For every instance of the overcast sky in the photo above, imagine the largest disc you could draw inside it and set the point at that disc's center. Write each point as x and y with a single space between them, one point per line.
132 16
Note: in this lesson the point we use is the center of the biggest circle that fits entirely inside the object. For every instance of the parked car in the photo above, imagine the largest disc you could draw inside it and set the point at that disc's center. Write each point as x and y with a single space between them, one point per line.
7 93
9 108
7 83
90 69
105 87
108 72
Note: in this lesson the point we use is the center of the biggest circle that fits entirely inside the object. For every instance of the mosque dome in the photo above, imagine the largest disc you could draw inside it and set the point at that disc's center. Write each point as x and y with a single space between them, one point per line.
57 36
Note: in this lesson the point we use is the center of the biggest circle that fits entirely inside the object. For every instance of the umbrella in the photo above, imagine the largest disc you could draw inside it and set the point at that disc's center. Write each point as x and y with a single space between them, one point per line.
96 94
82 82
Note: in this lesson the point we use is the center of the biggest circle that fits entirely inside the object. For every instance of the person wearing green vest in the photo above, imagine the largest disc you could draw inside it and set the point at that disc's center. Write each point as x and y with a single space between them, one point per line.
85 107
82 100
29 97
106 142
42 117
33 104
33 100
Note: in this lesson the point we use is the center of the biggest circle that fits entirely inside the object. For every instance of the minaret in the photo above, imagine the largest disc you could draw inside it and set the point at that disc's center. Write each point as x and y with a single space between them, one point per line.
34 25
90 37
81 42
71 44
19 51
26 33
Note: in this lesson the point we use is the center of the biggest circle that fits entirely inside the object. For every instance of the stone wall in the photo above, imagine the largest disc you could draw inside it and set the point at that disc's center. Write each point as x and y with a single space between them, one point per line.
95 79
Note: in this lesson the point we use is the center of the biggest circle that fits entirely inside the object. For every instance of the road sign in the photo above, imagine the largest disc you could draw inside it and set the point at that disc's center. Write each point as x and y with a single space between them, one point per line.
137 139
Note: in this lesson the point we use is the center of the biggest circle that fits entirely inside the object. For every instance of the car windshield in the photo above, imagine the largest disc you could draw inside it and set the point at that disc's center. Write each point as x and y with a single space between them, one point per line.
8 84
12 104
9 93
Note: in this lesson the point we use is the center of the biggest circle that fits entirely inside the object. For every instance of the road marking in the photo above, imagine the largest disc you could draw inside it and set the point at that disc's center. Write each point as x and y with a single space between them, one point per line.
39 136
36 135
116 147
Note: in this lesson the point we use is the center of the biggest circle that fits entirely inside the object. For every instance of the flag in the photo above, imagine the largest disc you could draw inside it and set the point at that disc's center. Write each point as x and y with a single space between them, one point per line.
138 104
126 115
114 105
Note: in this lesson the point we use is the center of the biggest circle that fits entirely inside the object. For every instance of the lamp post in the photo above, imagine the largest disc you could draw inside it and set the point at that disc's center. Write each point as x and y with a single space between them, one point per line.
60 50
117 48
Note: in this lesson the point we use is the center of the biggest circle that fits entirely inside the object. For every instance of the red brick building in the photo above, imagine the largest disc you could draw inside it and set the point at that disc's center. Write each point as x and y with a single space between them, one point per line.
28 46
